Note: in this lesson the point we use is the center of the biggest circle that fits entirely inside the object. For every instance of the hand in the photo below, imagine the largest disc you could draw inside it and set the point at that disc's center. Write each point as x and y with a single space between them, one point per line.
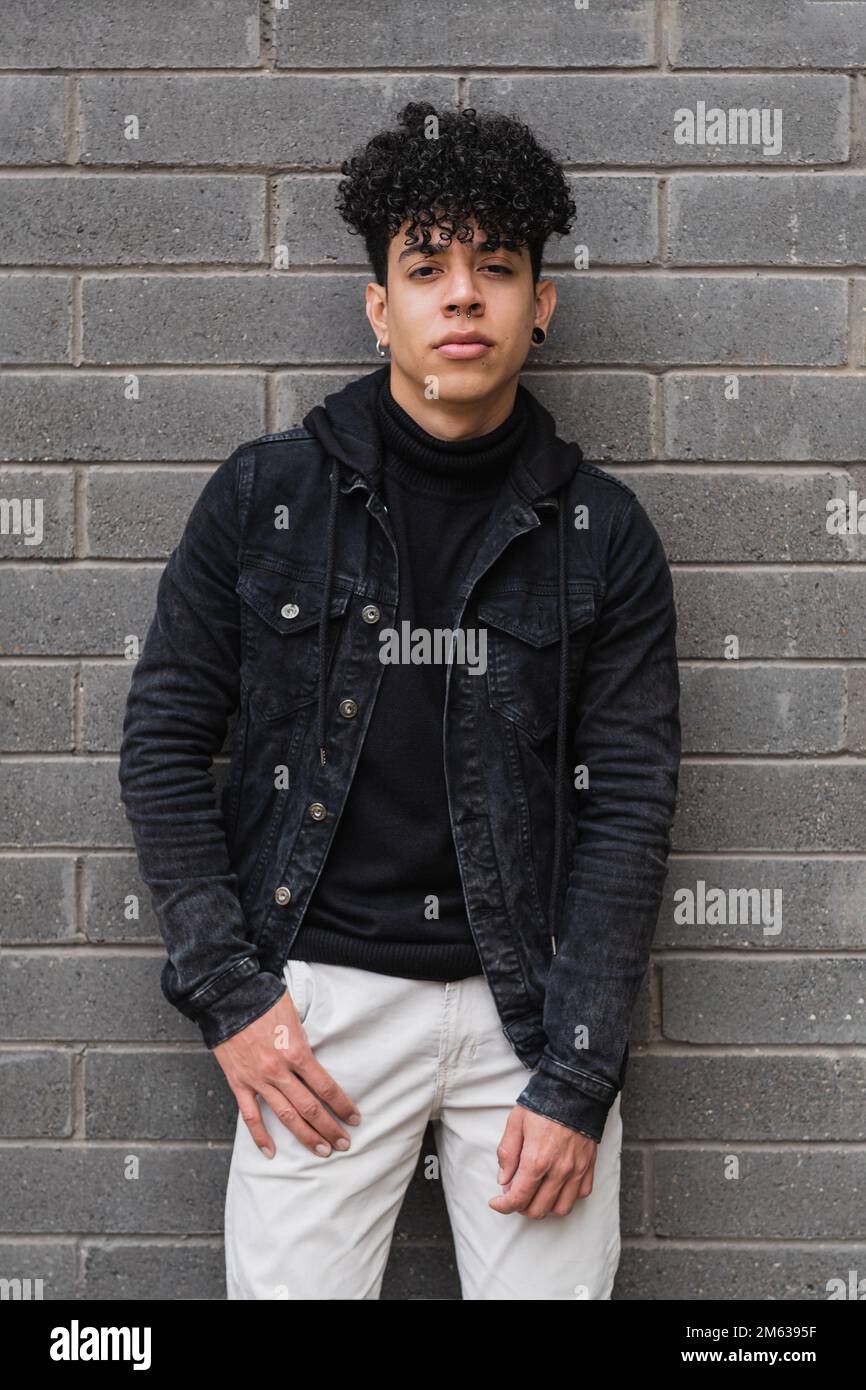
544 1166
273 1058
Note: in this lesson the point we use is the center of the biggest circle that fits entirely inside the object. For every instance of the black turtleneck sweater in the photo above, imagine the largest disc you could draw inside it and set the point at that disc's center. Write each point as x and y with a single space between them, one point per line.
389 897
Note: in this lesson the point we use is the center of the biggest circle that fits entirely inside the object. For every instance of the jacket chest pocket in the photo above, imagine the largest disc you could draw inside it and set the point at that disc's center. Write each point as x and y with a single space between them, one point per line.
280 637
523 647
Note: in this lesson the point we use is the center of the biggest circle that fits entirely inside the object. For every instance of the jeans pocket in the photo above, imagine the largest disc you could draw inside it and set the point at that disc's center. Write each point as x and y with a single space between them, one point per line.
298 975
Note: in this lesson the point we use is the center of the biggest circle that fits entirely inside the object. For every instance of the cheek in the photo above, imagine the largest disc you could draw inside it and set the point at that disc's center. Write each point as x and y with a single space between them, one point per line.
512 347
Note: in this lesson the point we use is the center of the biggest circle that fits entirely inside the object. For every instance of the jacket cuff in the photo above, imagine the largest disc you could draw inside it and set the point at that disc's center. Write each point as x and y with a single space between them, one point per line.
555 1092
220 1017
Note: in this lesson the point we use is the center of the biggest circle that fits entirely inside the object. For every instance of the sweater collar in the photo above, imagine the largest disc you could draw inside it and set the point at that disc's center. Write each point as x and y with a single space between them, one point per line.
452 468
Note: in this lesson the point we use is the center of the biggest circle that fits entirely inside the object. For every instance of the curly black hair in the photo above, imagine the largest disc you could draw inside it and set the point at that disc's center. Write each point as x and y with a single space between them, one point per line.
440 172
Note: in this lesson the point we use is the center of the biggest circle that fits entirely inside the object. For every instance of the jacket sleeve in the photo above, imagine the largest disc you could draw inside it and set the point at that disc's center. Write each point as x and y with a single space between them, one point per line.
627 734
184 687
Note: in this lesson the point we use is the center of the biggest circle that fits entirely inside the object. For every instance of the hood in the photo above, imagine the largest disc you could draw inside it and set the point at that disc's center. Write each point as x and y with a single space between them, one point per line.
346 425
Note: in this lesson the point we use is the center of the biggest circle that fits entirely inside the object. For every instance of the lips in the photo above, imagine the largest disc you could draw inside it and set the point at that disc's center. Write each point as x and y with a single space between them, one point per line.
460 351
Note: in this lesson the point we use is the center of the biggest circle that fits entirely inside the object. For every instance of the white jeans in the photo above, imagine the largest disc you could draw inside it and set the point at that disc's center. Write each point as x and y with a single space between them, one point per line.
299 1226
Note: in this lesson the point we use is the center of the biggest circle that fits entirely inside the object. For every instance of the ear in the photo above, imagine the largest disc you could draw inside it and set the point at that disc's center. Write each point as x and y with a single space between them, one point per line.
545 302
376 306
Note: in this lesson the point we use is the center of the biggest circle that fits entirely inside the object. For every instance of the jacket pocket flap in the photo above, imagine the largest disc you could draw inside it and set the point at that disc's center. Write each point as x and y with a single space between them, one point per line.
533 616
287 604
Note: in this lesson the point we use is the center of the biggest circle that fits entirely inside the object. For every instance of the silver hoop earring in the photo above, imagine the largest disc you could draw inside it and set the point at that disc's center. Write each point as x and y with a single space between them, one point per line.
381 351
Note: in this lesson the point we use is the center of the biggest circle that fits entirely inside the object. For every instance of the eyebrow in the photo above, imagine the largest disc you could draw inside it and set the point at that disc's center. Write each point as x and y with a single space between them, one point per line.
438 250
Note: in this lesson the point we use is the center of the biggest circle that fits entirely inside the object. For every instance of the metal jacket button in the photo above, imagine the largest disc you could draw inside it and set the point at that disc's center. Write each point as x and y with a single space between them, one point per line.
370 613
283 895
317 810
348 709
290 610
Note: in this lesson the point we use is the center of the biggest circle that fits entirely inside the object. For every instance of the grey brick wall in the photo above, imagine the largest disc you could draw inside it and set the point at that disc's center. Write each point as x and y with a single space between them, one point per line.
712 354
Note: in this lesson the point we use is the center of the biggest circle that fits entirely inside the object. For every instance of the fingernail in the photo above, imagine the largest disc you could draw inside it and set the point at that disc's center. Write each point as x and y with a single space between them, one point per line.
354 1118
323 1149
342 1144
268 1153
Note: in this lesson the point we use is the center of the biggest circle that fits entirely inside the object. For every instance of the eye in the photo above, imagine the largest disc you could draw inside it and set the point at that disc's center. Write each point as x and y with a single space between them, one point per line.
417 273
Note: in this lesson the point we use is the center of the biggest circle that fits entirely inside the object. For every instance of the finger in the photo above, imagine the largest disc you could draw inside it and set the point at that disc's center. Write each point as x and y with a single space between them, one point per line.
326 1087
291 1117
249 1108
586 1182
546 1196
309 1104
523 1188
509 1148
567 1197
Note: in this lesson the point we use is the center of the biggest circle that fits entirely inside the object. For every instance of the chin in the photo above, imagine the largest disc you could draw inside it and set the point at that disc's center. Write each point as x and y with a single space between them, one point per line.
469 376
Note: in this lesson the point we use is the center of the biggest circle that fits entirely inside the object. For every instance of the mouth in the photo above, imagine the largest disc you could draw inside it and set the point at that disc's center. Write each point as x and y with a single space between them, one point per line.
461 348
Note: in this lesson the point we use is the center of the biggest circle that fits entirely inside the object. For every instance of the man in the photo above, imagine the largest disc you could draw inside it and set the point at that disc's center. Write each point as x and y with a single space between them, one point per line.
430 888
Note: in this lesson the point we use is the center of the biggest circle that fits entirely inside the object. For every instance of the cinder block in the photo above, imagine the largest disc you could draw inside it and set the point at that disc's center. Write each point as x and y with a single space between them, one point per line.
733 708
157 1094
31 116
812 1000
36 1094
742 417
34 313
129 415
36 708
346 35
785 1194
259 119
795 34
167 1190
809 807
126 219
607 119
767 219
652 319
821 901
736 1097
120 33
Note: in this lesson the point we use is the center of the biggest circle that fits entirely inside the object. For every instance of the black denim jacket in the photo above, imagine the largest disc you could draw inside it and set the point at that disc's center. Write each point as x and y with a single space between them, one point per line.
561 762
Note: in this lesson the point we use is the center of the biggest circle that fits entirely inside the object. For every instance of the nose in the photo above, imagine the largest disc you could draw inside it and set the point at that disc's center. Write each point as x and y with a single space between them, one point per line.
464 304
463 297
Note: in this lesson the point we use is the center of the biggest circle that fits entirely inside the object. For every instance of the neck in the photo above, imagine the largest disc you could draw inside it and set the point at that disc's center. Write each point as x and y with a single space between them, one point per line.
453 420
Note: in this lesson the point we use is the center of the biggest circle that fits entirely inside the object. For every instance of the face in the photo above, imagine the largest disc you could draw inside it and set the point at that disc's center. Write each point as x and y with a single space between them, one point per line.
419 309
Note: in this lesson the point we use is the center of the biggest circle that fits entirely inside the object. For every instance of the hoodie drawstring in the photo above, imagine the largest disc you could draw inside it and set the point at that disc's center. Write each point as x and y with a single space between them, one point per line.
561 713
562 701
326 603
